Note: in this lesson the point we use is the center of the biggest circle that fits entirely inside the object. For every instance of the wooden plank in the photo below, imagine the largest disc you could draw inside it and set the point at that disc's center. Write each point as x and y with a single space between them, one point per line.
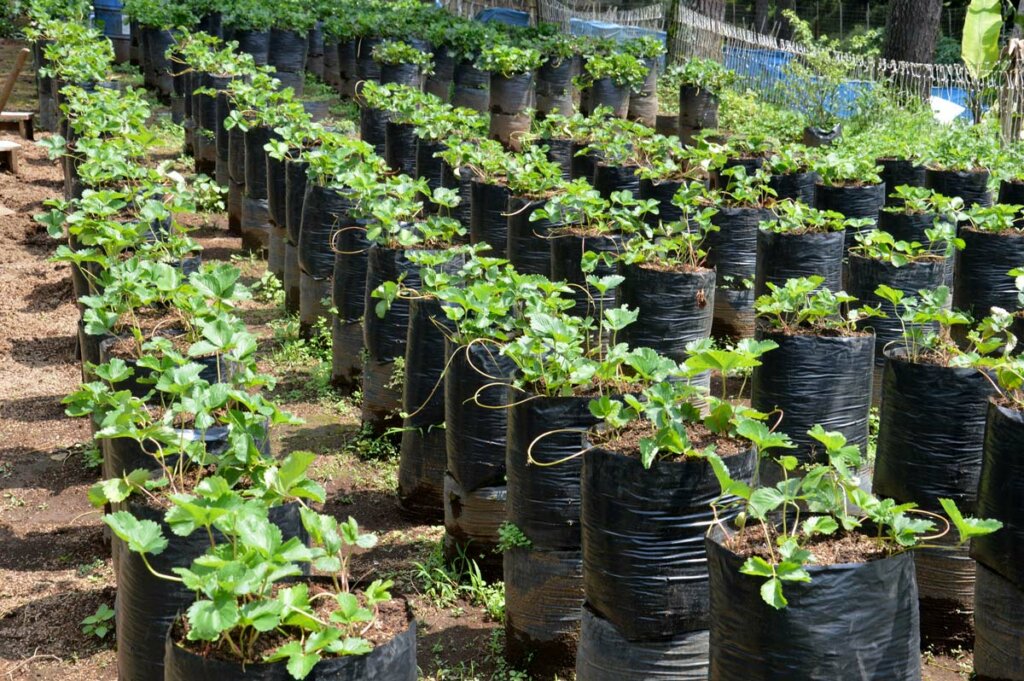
10 154
20 122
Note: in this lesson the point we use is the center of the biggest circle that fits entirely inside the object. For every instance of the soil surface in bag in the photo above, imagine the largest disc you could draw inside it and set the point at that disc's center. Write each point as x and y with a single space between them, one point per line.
816 380
1000 489
851 622
393 660
605 655
476 417
644 560
674 308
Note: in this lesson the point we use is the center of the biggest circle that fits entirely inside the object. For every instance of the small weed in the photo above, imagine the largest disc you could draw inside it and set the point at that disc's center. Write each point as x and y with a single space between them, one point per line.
872 447
89 569
100 623
397 380
367 447
269 289
446 584
92 456
510 536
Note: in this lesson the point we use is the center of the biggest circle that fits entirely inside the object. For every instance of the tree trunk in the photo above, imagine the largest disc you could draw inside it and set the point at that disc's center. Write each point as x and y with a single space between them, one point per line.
711 8
785 30
912 30
761 8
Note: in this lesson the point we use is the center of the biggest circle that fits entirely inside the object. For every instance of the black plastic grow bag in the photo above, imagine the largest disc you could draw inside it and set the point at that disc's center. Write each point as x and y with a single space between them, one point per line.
528 248
256 43
255 162
608 179
554 86
863 201
698 108
813 380
605 655
674 308
295 197
287 50
513 94
476 416
663 193
423 454
851 622
1000 489
543 598
147 605
931 432
324 212
782 256
606 92
797 186
971 186
544 500
400 147
644 559
488 218
567 251
867 274
373 124
980 275
897 172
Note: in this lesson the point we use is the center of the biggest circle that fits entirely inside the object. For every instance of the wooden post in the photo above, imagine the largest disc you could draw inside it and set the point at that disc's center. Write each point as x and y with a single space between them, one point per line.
12 78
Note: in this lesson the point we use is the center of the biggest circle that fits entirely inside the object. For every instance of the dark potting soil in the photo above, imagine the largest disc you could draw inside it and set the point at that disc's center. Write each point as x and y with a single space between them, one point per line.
663 267
809 331
627 440
392 620
840 548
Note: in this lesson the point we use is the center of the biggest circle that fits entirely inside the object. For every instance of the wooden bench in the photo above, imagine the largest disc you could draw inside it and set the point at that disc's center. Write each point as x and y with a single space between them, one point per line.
9 156
20 122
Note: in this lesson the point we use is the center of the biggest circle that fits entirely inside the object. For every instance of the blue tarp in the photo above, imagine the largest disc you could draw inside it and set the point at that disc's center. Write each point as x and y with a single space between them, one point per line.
604 29
512 17
767 68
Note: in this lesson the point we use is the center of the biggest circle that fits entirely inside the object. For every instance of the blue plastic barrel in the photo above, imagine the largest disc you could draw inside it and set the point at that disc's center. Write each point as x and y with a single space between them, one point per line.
108 15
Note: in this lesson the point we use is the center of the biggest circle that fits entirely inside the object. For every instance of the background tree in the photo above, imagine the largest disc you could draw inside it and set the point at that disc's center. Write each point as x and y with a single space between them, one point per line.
912 30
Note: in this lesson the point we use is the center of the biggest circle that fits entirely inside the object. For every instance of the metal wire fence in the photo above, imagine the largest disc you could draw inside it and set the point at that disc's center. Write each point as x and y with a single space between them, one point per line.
759 58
